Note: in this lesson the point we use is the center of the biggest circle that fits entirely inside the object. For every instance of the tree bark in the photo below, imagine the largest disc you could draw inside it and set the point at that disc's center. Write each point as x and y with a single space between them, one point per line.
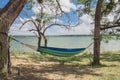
3 48
7 16
97 38
39 40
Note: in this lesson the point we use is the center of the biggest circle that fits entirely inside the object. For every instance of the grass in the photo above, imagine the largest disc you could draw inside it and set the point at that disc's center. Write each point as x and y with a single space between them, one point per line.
45 67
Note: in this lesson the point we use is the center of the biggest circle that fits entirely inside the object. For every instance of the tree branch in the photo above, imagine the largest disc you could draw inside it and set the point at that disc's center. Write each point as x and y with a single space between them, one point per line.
9 12
59 6
59 25
112 26
27 22
109 25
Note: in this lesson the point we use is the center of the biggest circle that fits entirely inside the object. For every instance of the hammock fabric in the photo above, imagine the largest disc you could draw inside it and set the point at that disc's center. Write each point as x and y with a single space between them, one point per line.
61 52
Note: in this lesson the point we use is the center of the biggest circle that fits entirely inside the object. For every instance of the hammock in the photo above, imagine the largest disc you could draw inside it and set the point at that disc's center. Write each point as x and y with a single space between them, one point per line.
61 52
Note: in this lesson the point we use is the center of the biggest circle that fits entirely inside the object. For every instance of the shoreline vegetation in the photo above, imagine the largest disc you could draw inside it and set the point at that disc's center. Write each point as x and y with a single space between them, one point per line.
34 66
57 35
65 35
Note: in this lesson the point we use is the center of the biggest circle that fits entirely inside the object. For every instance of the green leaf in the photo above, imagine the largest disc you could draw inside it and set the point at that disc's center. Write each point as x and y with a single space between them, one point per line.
38 20
82 1
40 1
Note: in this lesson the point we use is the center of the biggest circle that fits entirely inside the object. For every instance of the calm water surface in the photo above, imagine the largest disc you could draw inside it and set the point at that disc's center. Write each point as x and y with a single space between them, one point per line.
64 42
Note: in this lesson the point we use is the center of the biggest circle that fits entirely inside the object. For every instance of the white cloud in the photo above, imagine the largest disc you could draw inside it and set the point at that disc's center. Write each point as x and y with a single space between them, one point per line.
57 20
18 32
110 17
87 19
15 28
114 1
113 16
36 8
84 28
81 29
66 6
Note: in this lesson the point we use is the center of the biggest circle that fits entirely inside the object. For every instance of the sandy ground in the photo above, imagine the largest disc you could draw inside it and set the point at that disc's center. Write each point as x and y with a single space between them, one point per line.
28 69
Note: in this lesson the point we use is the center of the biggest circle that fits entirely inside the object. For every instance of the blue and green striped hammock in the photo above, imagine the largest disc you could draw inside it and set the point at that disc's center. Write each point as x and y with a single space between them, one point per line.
61 52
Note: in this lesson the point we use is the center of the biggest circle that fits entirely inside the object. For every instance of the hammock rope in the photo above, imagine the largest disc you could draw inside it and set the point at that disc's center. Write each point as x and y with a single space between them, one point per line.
25 44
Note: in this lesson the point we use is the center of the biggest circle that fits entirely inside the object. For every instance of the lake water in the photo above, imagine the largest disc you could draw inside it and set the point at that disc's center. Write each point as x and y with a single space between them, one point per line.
64 42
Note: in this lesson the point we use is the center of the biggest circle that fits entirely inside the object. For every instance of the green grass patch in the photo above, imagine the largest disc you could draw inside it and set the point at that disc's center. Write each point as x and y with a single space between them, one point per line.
108 56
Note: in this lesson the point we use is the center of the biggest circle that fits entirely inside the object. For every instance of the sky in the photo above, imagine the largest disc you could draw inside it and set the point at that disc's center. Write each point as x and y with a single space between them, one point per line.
67 6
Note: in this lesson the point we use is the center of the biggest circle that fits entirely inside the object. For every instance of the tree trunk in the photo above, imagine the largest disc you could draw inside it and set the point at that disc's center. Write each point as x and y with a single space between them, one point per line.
97 39
3 48
7 16
39 41
45 40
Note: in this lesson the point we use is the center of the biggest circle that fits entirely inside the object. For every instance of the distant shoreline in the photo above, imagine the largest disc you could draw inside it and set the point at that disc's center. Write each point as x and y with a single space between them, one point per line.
52 35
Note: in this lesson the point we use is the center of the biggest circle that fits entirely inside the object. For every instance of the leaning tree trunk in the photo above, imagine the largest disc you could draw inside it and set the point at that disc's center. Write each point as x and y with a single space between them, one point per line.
96 59
7 16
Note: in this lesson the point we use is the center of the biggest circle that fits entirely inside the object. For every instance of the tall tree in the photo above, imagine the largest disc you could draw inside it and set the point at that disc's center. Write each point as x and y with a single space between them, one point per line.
7 16
47 15
103 9
100 15
97 37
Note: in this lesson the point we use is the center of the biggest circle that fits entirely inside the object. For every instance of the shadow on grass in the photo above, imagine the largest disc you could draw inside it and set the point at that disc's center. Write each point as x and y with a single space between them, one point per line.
39 57
41 72
110 56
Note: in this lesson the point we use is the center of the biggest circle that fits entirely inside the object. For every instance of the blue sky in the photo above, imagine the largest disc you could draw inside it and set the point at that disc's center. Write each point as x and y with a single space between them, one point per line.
68 7
3 2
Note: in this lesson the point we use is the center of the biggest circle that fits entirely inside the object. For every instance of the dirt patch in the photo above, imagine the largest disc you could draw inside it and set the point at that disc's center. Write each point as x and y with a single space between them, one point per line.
24 68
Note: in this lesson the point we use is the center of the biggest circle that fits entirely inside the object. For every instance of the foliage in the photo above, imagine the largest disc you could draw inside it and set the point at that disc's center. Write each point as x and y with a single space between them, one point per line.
106 37
108 7
87 5
109 26
40 1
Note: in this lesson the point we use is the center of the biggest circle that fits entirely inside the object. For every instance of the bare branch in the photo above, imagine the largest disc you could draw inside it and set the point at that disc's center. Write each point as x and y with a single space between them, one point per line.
59 6
59 25
41 17
110 26
32 30
27 22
